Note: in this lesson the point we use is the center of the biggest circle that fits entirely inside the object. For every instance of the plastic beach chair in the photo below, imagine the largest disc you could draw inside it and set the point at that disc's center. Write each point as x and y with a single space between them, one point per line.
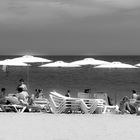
101 95
40 105
106 107
13 108
89 105
62 104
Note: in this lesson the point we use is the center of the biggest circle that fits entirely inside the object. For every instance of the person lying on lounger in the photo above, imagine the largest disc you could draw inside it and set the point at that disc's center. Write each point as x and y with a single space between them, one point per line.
22 96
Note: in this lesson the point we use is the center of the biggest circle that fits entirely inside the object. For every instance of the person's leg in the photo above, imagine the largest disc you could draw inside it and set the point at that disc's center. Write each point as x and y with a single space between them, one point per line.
131 108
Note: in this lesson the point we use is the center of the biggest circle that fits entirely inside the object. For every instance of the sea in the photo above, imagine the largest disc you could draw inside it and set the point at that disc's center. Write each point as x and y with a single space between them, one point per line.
117 83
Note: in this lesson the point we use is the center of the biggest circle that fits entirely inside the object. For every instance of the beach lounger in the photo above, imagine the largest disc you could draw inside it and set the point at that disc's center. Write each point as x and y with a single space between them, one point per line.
106 107
13 108
110 109
56 102
62 104
101 95
101 103
24 108
20 106
40 105
88 105
13 105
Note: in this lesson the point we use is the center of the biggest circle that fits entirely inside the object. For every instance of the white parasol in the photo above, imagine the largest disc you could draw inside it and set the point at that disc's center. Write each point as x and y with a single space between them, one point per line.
31 59
10 62
90 61
137 65
116 65
60 64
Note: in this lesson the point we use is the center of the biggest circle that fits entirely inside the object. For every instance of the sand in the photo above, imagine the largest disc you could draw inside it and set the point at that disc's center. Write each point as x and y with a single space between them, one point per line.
43 126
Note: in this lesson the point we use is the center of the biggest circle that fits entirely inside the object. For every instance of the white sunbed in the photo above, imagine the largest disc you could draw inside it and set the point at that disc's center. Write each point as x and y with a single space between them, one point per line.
41 103
13 108
107 108
62 104
14 105
20 106
92 105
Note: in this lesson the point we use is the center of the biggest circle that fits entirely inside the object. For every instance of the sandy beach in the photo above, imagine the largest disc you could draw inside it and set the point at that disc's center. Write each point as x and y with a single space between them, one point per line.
42 126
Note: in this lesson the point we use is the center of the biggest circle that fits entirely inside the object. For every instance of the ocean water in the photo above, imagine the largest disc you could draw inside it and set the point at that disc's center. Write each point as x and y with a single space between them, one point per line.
115 82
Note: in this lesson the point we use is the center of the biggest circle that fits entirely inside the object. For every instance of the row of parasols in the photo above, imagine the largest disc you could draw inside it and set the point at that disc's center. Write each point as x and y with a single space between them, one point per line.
25 60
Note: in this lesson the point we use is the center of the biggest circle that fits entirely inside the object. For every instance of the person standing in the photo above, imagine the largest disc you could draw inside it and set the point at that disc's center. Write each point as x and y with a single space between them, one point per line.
68 110
68 93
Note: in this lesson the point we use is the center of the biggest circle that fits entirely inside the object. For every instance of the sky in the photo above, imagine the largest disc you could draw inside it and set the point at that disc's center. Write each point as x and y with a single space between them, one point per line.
70 27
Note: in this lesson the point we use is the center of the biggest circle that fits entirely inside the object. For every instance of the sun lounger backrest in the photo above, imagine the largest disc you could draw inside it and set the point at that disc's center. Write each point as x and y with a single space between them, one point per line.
57 100
60 103
101 95
83 95
88 105
55 103
57 94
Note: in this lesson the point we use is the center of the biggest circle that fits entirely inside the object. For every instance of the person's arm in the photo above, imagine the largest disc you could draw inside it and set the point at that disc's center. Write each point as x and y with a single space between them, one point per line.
25 87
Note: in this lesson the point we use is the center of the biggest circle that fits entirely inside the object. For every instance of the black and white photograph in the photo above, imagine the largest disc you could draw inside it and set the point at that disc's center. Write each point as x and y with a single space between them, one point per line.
69 69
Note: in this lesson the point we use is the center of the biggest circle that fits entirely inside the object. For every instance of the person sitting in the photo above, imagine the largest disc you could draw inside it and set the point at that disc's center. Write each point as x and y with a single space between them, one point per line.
31 99
22 85
22 96
109 101
127 107
35 106
134 94
36 94
88 90
2 96
39 93
68 110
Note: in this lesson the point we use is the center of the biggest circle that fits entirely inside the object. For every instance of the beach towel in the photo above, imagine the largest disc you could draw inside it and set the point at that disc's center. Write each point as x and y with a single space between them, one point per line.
12 100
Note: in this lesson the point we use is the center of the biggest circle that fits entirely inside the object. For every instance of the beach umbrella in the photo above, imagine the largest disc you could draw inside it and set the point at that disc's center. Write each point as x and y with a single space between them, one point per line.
137 65
31 59
60 64
9 62
116 65
90 61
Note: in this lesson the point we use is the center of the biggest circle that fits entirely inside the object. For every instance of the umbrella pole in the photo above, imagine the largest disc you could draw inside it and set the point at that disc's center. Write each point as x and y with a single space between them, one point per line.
28 78
115 98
